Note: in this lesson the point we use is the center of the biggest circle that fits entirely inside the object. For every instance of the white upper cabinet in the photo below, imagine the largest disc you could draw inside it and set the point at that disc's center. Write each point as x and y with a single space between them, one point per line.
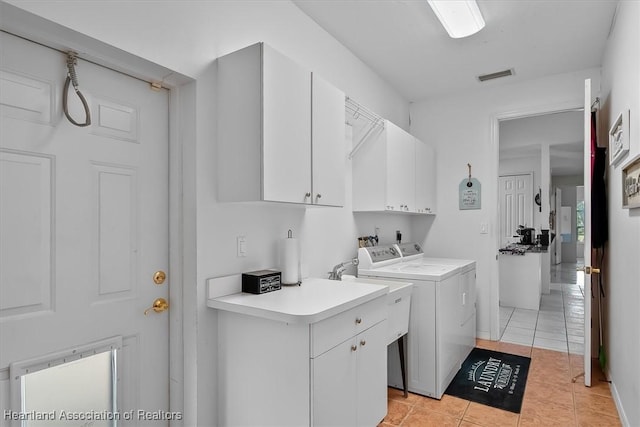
425 178
274 138
394 172
400 169
327 143
286 125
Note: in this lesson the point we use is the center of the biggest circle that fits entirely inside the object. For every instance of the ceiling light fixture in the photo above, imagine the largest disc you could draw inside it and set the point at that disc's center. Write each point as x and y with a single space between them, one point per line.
460 18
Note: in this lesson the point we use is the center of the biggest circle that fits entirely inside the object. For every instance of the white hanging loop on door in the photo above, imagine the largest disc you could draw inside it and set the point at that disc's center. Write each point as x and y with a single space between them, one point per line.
73 79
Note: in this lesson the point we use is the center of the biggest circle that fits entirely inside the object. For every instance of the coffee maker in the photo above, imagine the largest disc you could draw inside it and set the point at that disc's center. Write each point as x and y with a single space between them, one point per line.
527 235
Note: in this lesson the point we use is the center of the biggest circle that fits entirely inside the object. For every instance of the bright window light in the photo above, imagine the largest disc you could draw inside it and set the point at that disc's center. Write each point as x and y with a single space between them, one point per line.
460 18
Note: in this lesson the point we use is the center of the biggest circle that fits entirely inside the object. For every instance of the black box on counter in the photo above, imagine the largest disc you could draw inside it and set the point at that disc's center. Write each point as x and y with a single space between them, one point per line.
261 281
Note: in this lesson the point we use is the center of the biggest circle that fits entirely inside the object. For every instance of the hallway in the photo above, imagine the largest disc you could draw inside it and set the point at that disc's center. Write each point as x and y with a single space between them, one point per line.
559 325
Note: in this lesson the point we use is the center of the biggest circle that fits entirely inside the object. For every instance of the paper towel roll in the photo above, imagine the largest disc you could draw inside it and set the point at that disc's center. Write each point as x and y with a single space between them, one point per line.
290 261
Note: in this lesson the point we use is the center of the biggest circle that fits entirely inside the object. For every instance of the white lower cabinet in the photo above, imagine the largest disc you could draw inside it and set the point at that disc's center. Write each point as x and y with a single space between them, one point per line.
347 387
329 373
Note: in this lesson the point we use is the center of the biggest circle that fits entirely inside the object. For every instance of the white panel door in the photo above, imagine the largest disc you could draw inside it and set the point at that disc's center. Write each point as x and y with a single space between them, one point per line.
84 218
328 145
516 205
286 129
588 153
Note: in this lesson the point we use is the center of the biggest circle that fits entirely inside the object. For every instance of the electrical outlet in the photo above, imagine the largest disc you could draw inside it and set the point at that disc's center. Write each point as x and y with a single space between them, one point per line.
241 244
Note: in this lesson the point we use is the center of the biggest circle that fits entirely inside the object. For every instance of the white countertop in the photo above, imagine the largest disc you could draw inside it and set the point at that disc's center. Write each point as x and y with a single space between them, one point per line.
394 286
314 300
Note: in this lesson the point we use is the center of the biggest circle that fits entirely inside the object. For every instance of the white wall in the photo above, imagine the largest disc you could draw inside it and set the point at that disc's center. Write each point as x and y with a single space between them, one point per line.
456 233
621 90
570 249
188 36
573 185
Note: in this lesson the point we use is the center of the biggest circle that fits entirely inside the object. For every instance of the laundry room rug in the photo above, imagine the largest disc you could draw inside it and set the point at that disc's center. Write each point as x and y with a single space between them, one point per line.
492 378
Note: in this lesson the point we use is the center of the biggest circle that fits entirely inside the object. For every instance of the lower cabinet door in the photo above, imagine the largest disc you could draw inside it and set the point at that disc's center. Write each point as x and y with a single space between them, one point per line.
372 375
334 386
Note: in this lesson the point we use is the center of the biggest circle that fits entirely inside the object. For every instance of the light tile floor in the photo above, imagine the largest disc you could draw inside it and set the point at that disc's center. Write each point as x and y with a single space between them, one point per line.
559 325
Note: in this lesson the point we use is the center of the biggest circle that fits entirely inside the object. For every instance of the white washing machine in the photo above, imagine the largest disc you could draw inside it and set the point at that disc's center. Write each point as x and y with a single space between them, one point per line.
442 322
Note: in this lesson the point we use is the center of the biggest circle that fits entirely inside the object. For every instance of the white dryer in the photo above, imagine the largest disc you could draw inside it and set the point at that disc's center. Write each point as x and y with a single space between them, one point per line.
442 322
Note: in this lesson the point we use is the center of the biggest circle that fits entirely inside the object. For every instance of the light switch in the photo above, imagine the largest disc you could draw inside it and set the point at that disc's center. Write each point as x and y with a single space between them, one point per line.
484 228
242 245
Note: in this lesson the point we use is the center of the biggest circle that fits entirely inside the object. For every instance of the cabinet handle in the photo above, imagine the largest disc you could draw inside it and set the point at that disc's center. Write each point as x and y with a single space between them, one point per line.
358 320
354 347
307 195
318 196
363 343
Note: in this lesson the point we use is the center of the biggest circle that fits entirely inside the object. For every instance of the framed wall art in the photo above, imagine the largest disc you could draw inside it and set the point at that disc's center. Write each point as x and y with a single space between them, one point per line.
619 138
631 184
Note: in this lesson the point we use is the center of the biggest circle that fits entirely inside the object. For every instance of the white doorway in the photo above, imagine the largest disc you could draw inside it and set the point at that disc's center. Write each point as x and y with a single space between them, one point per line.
84 219
546 141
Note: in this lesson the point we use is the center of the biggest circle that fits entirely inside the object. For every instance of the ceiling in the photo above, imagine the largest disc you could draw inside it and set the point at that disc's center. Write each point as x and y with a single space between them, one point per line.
563 132
406 45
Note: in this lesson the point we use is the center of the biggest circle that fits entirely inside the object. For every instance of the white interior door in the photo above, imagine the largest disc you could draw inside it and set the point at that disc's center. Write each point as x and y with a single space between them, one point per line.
588 153
84 219
516 205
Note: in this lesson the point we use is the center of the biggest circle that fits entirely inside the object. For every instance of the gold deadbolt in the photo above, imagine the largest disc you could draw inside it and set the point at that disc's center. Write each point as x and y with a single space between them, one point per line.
589 270
159 277
159 305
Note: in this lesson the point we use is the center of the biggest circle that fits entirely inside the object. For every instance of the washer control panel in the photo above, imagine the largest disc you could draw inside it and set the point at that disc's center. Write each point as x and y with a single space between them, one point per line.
383 253
408 249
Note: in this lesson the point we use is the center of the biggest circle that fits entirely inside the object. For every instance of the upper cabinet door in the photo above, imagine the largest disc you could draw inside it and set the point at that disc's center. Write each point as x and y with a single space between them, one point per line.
425 178
400 169
327 144
286 128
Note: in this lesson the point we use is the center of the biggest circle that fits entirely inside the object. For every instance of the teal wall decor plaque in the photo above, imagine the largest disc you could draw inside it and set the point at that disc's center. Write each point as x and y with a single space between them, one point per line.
470 196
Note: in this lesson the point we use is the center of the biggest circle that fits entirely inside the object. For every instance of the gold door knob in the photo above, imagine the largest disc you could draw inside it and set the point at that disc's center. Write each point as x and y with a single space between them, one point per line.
588 269
159 305
159 277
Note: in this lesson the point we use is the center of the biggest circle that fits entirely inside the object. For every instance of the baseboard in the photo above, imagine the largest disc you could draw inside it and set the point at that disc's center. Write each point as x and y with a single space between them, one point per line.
483 335
616 398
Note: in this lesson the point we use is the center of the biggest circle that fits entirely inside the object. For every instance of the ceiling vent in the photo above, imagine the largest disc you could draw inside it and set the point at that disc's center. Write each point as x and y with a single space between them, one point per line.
496 75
